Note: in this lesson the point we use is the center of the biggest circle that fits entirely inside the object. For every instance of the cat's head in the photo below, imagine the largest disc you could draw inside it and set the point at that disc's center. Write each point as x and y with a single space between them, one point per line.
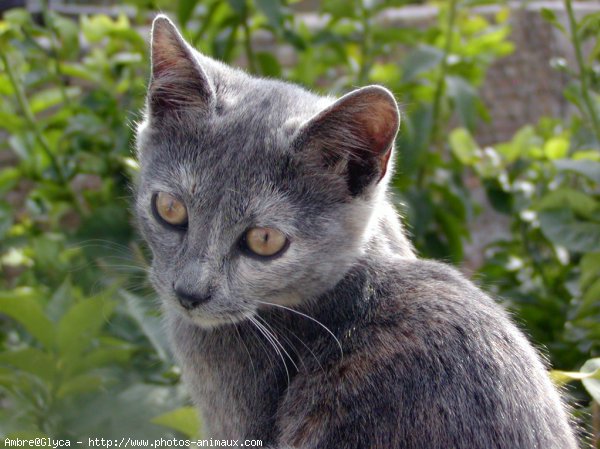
253 191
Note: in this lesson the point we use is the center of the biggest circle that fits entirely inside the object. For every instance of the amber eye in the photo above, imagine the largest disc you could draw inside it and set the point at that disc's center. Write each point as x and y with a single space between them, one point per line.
265 241
170 209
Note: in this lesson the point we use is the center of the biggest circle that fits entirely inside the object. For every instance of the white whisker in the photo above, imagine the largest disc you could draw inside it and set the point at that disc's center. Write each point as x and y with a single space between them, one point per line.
310 318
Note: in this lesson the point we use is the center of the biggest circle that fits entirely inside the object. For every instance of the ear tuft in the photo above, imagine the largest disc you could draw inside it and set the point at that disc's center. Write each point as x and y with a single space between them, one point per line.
355 135
178 82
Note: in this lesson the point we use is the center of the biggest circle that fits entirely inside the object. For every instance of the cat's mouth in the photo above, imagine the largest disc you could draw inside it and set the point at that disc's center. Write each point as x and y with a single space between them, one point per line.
209 317
209 322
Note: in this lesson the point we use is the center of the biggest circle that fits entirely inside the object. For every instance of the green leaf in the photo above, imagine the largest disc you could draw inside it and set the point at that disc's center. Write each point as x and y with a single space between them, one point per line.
81 324
150 325
562 228
11 122
464 146
185 8
420 60
590 300
271 9
6 218
184 420
22 306
84 383
8 178
549 16
562 377
31 360
590 269
592 382
589 169
60 300
465 99
51 97
556 147
579 202
268 64
522 144
239 6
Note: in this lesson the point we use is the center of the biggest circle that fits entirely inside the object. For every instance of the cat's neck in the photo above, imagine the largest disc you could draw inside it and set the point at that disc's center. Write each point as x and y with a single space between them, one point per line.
385 236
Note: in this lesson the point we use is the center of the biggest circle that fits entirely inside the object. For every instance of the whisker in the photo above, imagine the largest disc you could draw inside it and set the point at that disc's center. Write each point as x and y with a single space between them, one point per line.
266 334
271 331
310 318
241 340
299 340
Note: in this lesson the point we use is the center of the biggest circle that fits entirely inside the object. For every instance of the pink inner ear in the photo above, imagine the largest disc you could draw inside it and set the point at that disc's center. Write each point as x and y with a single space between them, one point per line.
380 121
169 55
177 80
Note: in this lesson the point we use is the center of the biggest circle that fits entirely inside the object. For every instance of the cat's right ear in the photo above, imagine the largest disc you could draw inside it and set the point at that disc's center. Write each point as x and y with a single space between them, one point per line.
178 82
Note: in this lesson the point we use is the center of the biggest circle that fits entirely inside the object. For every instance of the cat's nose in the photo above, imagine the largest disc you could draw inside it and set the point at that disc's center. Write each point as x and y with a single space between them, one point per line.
189 300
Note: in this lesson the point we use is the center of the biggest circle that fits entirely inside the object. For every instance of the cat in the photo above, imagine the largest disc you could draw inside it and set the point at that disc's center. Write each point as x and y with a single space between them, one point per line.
294 301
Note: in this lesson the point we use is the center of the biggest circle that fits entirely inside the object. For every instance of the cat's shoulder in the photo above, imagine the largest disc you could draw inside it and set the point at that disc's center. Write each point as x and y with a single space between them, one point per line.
432 297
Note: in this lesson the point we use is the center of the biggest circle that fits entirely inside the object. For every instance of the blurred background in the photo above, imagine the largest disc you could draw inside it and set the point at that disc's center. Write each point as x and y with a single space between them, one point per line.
498 173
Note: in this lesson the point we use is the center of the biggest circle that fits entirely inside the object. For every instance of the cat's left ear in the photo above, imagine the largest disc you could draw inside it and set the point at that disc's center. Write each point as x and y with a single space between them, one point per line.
354 136
178 82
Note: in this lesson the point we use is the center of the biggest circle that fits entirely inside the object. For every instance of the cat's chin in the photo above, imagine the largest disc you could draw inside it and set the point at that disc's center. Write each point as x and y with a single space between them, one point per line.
212 322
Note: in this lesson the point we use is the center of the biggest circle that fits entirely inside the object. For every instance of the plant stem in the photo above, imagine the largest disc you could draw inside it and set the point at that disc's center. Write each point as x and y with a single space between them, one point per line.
248 41
595 424
441 84
582 70
54 52
436 110
365 45
24 106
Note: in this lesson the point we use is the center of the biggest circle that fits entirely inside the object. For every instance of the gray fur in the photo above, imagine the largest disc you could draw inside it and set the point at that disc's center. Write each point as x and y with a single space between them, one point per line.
374 347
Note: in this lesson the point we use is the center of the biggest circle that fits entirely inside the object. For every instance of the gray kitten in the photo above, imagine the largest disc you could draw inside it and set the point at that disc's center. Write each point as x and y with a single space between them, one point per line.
296 305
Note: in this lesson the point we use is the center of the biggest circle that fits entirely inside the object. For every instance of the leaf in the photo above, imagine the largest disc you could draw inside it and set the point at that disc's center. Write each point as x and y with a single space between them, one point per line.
125 412
590 300
465 99
84 383
22 306
81 324
556 147
420 60
31 360
592 382
562 377
549 16
239 6
51 97
6 219
150 325
589 169
185 8
60 300
11 122
589 26
521 145
463 146
184 420
561 228
564 197
271 9
590 269
269 65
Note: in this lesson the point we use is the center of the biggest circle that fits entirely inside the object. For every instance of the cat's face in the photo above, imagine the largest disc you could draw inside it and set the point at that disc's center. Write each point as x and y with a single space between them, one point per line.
252 191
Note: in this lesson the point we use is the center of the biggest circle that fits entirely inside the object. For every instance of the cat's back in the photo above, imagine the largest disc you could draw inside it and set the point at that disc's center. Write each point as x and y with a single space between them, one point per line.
432 357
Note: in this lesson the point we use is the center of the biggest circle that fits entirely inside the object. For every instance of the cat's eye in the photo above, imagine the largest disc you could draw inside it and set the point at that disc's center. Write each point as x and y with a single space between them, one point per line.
265 242
169 209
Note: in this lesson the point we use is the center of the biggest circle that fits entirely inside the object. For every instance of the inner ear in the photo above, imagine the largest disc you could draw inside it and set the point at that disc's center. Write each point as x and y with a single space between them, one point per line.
178 82
354 136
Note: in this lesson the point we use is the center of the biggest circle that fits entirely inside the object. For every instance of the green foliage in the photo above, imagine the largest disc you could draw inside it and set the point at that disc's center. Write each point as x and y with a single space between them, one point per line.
81 345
